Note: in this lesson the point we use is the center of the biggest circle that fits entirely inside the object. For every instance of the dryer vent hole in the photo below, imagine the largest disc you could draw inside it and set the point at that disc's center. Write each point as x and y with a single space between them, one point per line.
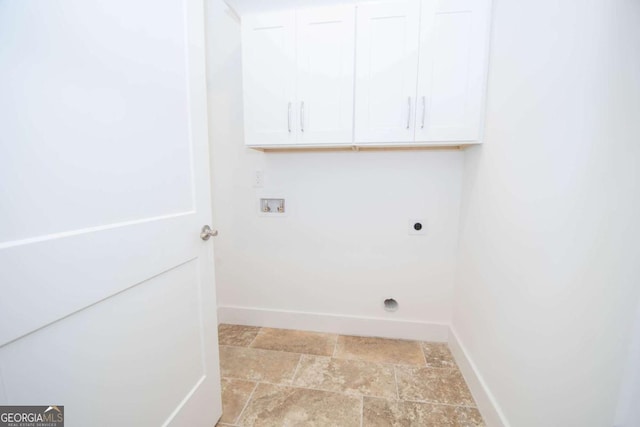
390 304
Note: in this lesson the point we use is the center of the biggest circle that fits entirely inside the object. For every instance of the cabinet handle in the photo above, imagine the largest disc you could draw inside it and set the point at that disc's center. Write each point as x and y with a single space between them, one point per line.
289 117
302 116
424 111
408 112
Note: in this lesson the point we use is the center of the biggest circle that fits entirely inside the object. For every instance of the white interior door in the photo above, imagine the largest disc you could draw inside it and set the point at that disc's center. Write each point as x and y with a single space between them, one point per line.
325 52
386 70
108 299
453 61
269 78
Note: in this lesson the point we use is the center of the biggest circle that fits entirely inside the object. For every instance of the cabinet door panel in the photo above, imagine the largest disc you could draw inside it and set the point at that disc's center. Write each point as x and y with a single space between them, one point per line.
386 71
269 78
451 81
325 52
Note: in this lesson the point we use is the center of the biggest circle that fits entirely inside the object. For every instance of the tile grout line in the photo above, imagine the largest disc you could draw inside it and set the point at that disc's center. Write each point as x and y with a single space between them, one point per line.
342 393
264 349
239 417
295 372
362 411
402 365
335 346
395 377
286 352
254 338
431 402
424 356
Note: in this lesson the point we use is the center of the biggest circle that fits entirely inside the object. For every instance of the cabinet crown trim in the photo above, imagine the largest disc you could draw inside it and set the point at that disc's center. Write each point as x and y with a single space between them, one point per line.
249 7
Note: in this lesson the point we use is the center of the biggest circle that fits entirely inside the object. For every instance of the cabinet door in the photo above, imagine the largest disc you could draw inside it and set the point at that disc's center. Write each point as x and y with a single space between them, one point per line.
268 67
453 60
386 70
325 51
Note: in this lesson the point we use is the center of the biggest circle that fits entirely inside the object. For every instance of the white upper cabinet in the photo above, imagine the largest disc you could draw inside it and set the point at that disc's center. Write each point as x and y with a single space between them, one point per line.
451 77
376 73
325 52
386 71
269 78
298 76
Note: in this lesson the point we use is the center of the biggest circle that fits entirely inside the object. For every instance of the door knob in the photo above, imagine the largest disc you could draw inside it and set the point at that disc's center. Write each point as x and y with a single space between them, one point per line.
207 232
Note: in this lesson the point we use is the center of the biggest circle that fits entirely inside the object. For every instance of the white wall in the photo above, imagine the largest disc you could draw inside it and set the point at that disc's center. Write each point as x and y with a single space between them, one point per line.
344 245
628 410
548 269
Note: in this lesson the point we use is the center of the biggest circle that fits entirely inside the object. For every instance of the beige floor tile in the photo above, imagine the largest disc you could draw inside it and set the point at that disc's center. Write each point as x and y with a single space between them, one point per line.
280 406
385 413
257 365
237 335
438 355
380 350
355 377
235 394
433 385
295 341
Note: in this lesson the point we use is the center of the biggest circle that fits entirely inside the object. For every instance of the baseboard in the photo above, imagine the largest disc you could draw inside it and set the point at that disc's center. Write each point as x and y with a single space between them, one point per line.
487 404
332 323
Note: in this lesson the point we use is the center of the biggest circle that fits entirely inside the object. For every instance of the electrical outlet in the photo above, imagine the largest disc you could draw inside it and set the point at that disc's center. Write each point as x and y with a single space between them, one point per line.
417 227
258 179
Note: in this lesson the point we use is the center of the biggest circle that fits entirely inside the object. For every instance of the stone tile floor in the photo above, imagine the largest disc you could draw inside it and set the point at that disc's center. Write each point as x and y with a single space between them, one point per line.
281 377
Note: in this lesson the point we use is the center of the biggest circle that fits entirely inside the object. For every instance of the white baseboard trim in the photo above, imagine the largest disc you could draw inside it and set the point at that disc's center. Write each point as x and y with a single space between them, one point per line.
332 323
487 404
